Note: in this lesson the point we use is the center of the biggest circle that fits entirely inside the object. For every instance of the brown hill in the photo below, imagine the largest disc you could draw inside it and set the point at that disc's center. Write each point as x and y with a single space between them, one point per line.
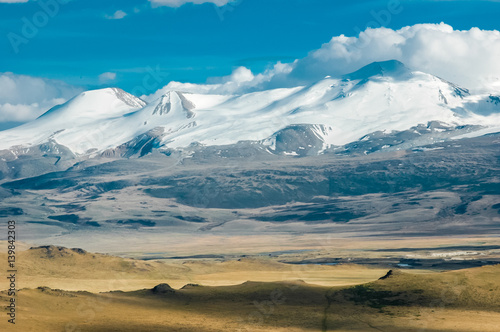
458 301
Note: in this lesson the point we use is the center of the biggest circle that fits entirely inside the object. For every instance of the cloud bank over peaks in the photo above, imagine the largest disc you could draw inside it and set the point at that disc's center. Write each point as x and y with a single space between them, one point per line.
241 80
468 58
24 98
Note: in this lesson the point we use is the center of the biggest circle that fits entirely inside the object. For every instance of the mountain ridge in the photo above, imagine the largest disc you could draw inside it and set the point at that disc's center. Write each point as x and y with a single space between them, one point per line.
382 97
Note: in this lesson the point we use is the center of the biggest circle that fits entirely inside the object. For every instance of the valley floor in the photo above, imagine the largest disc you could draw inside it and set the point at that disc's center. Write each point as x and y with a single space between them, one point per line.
74 290
462 301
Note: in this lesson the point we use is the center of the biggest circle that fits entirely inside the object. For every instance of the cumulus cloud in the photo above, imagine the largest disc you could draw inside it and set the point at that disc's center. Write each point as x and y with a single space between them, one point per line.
24 98
118 15
239 75
241 80
107 77
178 3
469 58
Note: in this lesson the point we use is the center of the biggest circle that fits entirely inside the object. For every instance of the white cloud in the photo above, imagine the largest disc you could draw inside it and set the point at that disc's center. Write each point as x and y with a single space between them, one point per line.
239 75
24 98
241 80
118 15
178 3
106 77
13 1
468 58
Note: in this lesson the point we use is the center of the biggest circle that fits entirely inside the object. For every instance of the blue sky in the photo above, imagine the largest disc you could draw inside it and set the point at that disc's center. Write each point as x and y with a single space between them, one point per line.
194 42
142 45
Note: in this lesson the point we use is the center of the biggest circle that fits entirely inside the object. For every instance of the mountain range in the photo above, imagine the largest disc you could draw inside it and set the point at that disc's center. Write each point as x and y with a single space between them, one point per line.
382 151
383 106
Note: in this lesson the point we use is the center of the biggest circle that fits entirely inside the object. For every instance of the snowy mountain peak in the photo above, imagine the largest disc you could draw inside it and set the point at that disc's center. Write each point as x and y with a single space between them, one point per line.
383 97
390 68
96 104
174 101
74 122
115 93
127 98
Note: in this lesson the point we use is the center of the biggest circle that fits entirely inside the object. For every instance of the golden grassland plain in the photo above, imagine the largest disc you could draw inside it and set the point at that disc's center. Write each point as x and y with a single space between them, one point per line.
466 300
74 290
77 270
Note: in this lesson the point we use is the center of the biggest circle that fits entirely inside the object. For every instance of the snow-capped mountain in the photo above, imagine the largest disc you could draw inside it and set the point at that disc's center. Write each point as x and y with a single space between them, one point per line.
377 101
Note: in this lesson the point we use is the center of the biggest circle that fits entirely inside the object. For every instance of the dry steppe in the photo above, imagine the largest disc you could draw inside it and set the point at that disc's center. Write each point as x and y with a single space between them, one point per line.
467 300
74 290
